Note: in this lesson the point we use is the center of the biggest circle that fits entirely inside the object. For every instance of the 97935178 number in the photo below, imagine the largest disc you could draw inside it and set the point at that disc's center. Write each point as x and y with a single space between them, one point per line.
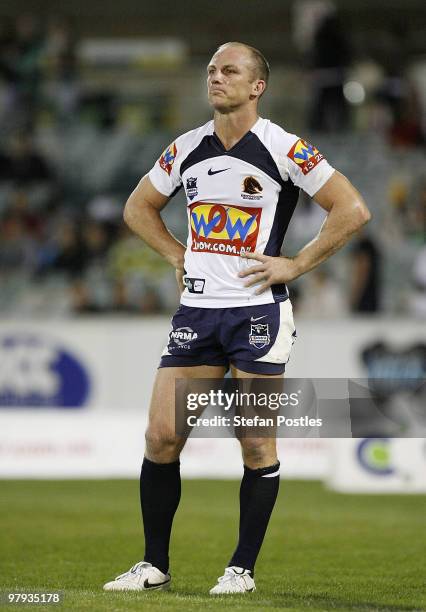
12 597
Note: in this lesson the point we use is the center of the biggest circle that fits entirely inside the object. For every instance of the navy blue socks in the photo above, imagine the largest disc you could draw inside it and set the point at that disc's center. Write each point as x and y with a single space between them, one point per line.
160 490
258 493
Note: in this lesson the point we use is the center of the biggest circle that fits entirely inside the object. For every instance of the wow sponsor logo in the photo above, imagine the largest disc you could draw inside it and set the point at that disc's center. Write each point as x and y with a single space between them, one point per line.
36 372
305 155
374 455
224 229
168 157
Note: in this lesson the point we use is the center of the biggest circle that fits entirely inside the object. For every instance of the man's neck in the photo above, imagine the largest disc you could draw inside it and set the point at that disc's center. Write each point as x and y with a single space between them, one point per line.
231 127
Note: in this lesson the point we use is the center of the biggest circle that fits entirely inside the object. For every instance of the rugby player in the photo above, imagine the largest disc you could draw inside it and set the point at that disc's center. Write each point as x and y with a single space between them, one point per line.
241 175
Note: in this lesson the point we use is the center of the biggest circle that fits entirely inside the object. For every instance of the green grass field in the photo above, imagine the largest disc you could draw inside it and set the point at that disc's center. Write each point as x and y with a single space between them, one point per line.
323 551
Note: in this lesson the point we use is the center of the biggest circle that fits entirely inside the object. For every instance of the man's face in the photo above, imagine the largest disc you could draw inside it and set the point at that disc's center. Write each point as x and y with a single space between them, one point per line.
231 81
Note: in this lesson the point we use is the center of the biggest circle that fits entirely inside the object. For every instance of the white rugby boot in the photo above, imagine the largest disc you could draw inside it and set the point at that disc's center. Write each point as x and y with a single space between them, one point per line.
141 577
234 580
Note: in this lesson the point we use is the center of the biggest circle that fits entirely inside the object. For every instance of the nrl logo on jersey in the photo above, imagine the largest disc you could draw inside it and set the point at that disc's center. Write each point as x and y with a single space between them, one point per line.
191 187
251 189
259 335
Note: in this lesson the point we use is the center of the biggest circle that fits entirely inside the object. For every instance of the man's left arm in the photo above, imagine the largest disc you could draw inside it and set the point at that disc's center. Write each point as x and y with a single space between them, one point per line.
347 213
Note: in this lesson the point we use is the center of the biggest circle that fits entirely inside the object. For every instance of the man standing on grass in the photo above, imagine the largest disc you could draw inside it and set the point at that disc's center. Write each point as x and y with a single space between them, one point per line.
242 176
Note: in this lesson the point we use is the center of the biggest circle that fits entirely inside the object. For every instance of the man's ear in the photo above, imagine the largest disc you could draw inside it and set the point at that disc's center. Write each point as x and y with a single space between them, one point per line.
259 87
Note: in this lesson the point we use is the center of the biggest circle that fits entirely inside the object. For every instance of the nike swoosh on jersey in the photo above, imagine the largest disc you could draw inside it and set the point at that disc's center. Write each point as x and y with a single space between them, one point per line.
211 172
257 318
148 585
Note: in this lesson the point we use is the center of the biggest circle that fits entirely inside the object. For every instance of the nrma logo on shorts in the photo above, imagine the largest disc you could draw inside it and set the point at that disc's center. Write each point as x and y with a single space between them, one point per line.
224 229
183 336
35 372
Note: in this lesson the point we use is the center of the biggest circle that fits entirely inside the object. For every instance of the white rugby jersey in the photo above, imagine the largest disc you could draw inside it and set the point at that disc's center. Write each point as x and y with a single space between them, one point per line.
237 200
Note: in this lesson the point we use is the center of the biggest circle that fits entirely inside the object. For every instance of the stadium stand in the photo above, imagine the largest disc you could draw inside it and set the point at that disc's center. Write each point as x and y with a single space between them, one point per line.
81 121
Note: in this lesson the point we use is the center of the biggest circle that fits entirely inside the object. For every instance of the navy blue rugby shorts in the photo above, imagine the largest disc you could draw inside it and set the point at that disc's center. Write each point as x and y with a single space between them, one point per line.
255 339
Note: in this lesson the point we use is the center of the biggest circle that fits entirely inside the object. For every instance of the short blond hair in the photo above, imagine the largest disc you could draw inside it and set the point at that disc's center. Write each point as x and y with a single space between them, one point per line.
261 64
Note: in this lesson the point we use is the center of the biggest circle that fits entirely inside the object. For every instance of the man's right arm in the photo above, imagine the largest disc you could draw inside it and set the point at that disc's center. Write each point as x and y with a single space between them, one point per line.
142 215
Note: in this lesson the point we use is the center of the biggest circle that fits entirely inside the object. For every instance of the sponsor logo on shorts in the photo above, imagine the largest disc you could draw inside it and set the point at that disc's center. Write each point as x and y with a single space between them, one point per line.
168 157
194 285
259 335
224 229
191 187
305 155
251 189
182 336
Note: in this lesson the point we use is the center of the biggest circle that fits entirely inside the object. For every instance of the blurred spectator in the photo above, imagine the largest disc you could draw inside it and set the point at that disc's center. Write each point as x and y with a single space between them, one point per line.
22 163
151 302
60 63
69 256
29 49
365 276
105 208
418 295
124 301
121 301
402 99
307 220
81 300
331 56
307 15
405 217
398 91
419 216
101 108
31 220
7 53
322 296
130 257
95 243
16 246
406 130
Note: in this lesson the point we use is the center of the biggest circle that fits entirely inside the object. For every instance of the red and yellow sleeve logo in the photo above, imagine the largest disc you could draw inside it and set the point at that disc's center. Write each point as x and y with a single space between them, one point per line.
168 157
305 155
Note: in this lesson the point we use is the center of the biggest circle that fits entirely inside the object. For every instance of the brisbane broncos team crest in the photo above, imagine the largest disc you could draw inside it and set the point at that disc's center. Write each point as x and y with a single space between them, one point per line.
252 189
